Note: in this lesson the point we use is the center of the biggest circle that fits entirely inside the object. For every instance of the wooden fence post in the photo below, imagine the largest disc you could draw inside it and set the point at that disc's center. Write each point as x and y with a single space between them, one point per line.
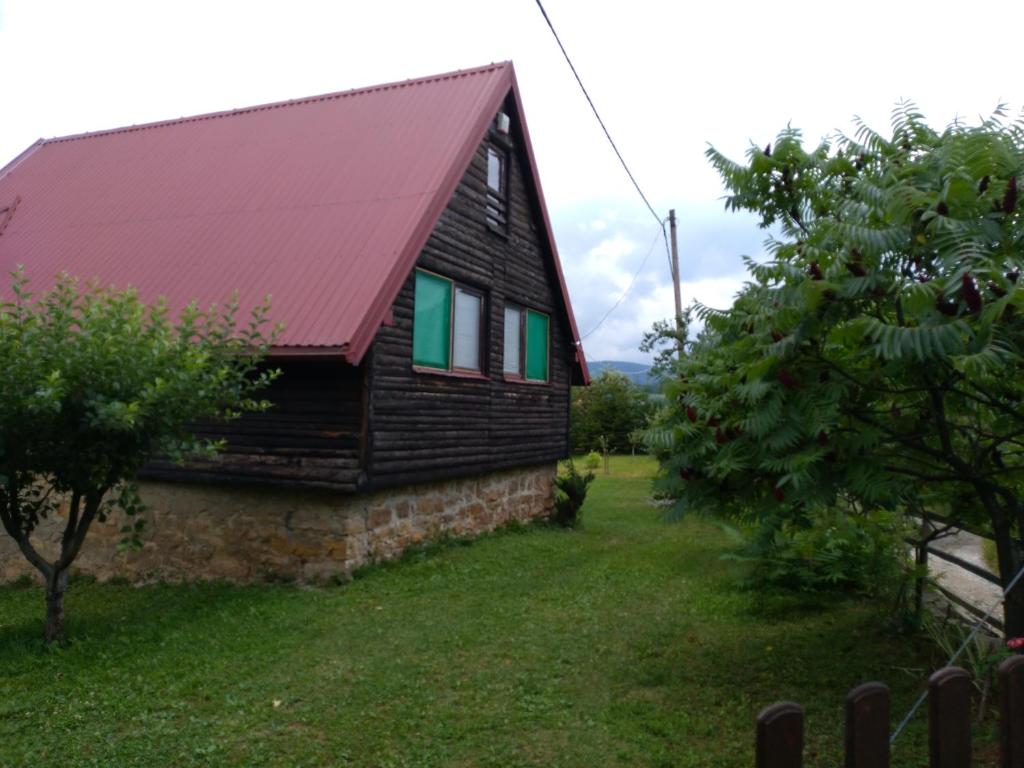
949 719
1011 711
867 727
780 736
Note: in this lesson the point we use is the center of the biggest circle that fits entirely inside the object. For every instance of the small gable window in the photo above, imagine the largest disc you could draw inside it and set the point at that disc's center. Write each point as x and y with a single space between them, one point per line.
447 324
527 344
497 188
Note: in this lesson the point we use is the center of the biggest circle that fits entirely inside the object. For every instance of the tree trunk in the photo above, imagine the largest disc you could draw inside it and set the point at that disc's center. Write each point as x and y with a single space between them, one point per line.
56 586
1009 563
1013 612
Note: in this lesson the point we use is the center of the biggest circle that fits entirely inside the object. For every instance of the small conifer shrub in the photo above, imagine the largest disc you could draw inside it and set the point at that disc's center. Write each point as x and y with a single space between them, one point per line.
569 496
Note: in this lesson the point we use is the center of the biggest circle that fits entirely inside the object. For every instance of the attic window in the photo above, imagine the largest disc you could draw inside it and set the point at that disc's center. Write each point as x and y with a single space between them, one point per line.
497 189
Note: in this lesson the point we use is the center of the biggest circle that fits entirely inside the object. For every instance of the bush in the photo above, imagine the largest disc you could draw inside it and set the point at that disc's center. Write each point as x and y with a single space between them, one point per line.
611 407
571 492
592 460
830 551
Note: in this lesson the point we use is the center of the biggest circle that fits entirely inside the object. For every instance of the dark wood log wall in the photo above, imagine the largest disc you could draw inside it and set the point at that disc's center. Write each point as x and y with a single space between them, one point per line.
311 438
425 426
328 430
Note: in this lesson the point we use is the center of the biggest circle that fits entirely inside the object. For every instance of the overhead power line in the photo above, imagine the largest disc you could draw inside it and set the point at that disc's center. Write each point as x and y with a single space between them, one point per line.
604 128
670 252
636 274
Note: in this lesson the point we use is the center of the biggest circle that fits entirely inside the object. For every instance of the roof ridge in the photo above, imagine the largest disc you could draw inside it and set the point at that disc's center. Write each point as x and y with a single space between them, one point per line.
278 104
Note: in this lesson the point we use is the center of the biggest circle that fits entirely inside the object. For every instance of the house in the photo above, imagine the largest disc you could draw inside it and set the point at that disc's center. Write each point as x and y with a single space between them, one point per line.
429 344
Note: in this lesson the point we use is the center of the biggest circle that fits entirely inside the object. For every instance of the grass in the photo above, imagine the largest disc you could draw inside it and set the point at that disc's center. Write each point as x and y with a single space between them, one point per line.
623 643
990 555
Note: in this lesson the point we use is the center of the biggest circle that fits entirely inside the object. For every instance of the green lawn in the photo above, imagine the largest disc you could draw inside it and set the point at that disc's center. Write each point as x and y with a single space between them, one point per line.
624 643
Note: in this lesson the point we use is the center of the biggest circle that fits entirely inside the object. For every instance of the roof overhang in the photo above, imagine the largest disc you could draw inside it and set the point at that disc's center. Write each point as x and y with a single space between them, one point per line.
484 114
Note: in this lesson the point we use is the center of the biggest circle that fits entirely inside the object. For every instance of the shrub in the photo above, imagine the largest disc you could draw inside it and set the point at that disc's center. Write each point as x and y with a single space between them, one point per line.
830 550
613 407
592 460
571 492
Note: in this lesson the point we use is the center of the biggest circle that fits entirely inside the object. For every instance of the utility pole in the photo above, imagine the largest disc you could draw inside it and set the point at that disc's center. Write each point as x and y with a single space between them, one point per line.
675 277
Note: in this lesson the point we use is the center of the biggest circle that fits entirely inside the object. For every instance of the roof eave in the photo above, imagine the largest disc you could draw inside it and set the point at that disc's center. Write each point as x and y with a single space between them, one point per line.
582 373
289 353
367 330
21 157
363 337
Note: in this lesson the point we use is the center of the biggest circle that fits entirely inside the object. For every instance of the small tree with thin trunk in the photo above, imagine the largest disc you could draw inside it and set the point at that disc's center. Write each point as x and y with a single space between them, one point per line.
610 409
93 383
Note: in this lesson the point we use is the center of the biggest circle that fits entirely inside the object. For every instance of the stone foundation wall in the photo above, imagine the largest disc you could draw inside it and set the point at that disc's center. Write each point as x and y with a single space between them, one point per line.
244 534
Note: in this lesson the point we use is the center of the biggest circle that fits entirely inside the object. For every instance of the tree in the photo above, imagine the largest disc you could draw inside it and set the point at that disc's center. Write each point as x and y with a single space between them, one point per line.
664 340
92 384
875 363
613 407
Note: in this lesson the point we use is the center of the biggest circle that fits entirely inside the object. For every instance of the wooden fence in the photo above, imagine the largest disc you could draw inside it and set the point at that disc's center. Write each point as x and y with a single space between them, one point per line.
780 728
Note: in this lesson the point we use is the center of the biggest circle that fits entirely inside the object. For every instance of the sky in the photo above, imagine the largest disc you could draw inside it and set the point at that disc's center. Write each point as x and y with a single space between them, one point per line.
669 79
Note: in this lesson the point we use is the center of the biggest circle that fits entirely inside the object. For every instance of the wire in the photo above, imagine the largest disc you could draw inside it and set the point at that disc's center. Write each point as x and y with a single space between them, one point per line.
636 274
625 167
599 120
956 655
668 251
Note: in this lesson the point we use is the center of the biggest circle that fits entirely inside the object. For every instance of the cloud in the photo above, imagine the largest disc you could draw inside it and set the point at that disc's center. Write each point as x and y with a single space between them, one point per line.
608 252
619 336
600 263
612 262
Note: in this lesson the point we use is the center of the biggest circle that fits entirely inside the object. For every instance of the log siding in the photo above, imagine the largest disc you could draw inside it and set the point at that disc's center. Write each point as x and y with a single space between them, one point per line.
425 424
382 424
310 438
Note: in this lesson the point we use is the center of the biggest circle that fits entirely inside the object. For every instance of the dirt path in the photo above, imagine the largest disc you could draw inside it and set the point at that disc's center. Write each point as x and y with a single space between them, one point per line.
974 589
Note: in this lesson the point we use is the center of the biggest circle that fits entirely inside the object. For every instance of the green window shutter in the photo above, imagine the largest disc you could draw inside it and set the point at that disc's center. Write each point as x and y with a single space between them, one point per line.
536 346
431 329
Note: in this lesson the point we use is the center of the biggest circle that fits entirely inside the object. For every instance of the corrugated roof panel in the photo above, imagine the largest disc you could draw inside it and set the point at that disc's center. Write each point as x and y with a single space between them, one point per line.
323 203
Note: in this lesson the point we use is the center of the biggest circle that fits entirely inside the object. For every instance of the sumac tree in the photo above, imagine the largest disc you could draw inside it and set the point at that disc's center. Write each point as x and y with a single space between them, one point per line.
92 384
875 362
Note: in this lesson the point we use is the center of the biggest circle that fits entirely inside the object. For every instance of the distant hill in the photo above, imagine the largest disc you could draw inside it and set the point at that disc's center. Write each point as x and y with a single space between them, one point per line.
638 373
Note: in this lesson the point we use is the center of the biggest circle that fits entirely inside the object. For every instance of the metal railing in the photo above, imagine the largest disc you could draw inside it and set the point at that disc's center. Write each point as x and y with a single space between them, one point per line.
934 528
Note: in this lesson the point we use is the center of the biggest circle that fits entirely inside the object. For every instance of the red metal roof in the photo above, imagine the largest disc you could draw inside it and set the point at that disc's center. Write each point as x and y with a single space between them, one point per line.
323 203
